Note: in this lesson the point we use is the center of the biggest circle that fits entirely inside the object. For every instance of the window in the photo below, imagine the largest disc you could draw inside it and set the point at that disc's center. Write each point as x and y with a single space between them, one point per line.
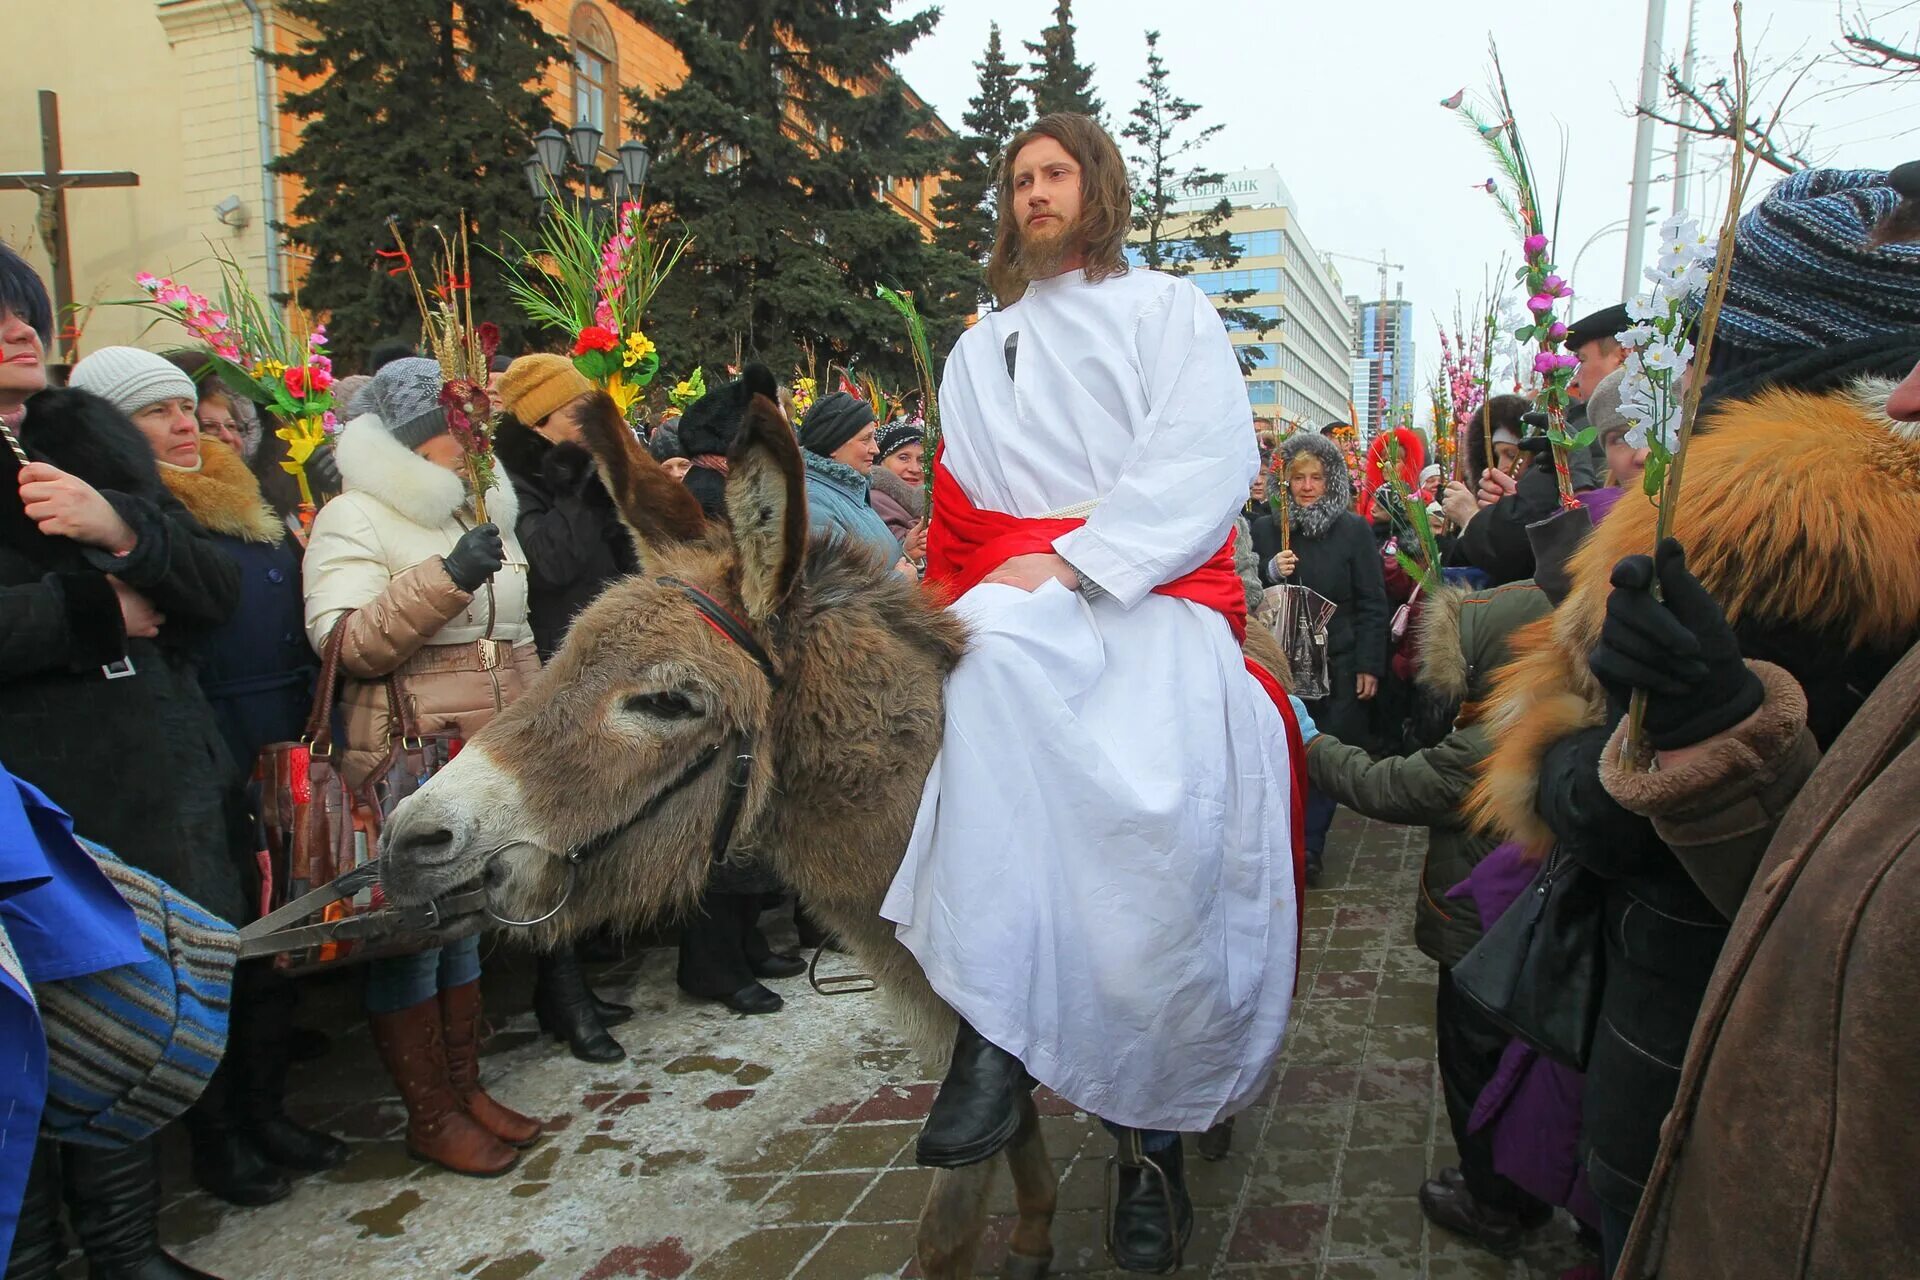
1257 354
1214 283
1270 314
596 85
1263 391
1256 244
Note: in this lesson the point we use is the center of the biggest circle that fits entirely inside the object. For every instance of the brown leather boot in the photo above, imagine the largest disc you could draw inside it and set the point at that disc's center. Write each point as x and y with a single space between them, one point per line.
438 1127
460 1015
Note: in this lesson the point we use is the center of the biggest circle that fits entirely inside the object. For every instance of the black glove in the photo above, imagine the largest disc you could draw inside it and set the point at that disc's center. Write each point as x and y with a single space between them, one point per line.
476 557
323 472
1680 650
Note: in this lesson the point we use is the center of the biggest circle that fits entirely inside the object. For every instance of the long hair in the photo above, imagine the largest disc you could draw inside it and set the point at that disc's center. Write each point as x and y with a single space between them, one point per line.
1106 211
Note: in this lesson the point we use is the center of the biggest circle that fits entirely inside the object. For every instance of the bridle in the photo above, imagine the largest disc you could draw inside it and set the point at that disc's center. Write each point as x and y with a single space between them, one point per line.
739 772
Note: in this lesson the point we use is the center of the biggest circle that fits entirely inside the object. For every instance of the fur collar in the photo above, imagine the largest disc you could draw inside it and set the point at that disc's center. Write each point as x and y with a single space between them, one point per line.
1441 667
82 434
530 456
912 500
1801 514
224 496
838 474
374 463
1317 521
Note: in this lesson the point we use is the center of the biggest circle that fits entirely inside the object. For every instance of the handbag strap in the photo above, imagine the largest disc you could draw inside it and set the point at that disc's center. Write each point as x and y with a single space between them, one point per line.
318 733
401 724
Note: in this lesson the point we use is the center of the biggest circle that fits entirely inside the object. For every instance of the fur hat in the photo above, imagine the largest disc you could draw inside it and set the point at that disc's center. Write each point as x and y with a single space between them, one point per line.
405 397
711 423
131 379
535 386
1316 520
1803 273
900 433
665 444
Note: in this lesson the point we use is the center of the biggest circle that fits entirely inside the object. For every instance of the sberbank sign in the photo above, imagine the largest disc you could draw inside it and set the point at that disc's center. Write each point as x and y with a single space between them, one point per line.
1247 187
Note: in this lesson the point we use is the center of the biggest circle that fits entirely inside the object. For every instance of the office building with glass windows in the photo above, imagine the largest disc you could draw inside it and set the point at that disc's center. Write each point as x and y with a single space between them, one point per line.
1383 369
1289 324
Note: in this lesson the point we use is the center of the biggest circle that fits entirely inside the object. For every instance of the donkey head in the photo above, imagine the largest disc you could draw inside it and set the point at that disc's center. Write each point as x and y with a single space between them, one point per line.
650 727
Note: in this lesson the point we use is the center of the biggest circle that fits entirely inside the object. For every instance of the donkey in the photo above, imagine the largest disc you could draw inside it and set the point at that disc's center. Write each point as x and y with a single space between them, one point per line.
747 692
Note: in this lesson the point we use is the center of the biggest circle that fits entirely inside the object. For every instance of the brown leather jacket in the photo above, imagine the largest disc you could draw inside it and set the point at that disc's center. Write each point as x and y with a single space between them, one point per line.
1790 1150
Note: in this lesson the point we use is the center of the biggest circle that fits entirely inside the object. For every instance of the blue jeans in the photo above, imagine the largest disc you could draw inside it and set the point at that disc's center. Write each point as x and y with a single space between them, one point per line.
1320 810
1151 1140
401 982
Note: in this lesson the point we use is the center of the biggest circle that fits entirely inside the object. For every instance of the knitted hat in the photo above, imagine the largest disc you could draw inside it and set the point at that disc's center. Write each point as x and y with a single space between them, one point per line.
1803 275
832 421
1603 406
900 433
534 386
665 444
131 379
405 396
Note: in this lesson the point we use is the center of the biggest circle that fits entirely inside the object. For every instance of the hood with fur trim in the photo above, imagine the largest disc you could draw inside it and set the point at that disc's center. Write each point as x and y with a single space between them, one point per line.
224 496
1316 520
374 463
1413 456
1801 515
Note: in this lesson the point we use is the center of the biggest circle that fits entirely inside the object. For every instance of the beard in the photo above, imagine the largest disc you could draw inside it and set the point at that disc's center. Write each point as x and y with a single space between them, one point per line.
1041 253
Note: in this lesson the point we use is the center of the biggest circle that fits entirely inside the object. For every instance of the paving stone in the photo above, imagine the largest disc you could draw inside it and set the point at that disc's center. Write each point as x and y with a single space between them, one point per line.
860 1250
896 1196
1316 1127
1383 1172
769 1251
861 1147
816 1197
1390 1125
1282 1233
1387 1228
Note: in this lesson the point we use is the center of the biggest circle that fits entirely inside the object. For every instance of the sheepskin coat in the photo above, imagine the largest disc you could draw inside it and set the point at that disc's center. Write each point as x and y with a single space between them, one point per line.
378 552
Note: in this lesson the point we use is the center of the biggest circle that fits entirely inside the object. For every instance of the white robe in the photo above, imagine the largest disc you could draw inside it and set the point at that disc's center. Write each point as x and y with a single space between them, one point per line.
1100 878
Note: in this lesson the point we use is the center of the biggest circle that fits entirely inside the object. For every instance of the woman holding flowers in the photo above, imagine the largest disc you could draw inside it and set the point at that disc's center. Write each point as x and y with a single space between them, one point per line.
429 594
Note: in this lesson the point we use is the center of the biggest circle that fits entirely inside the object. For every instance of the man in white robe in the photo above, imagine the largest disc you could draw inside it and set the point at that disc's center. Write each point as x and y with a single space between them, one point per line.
1100 880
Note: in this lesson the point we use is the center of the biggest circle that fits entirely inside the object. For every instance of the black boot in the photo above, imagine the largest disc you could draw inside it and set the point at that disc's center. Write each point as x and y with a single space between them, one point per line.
764 960
1217 1142
1314 860
565 1009
1448 1203
226 1162
261 1047
977 1109
113 1197
39 1245
612 1012
713 954
1152 1219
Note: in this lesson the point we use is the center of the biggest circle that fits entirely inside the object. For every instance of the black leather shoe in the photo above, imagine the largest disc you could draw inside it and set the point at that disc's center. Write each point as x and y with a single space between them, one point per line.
1217 1142
754 998
777 964
977 1111
1451 1206
227 1164
1314 868
564 1009
294 1146
1153 1216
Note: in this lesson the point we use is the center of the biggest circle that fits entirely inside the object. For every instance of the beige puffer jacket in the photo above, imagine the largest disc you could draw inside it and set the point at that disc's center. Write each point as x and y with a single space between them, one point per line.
376 550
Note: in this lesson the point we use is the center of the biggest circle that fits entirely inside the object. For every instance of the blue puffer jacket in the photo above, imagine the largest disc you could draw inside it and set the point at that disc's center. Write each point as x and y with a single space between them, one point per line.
837 502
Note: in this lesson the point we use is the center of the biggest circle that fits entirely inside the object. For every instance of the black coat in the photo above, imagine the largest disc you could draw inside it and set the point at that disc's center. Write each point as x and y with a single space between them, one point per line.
137 760
257 668
1343 565
572 534
1661 941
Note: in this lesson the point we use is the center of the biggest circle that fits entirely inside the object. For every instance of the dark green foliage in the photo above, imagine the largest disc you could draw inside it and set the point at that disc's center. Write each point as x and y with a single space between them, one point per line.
1170 240
422 109
791 228
966 206
1059 81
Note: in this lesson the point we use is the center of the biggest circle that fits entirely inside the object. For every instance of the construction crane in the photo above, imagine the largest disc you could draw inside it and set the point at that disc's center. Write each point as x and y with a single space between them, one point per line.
1380 262
1373 412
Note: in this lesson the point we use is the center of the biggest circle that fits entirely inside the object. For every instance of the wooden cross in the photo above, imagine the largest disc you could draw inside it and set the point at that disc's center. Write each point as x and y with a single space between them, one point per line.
51 184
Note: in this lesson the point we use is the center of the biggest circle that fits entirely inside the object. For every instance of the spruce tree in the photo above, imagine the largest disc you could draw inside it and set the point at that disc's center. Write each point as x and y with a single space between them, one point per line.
776 154
966 205
419 109
1160 127
1059 82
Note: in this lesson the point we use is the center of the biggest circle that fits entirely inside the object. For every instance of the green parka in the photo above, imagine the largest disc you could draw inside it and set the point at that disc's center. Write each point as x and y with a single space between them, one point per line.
1463 638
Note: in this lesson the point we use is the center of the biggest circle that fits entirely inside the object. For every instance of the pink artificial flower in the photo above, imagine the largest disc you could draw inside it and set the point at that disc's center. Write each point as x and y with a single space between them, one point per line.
1557 331
147 280
329 423
1543 362
229 353
318 338
319 379
1535 245
1540 304
603 315
1556 286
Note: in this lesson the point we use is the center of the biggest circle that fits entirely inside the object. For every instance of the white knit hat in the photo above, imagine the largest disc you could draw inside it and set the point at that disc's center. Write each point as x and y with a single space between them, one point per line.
131 379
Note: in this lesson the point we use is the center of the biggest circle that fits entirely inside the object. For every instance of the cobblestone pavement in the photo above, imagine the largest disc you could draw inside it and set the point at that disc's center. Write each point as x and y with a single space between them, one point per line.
732 1148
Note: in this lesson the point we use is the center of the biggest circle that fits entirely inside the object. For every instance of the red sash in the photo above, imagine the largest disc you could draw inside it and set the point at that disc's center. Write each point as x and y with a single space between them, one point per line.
966 543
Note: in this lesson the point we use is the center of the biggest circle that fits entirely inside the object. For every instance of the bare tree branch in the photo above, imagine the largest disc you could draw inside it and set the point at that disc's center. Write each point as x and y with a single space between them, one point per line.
1769 141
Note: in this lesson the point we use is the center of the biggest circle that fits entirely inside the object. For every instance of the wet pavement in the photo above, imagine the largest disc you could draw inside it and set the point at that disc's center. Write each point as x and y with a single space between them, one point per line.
734 1148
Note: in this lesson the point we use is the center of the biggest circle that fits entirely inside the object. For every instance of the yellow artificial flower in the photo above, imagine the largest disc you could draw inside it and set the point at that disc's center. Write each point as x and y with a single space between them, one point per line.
623 393
639 347
268 370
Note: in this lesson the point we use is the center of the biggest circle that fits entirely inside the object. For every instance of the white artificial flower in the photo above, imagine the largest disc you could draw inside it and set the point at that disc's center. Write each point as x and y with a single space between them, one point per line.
1635 436
1637 336
1642 307
1659 358
1673 227
1694 277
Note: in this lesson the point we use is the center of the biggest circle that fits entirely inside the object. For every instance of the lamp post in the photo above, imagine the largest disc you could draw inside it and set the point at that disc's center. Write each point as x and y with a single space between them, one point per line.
556 154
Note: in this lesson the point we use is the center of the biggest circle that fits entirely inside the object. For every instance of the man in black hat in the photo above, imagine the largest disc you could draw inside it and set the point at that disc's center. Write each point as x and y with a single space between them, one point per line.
1591 337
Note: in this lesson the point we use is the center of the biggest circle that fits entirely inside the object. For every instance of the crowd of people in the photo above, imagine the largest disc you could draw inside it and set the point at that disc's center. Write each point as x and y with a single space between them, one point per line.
167 613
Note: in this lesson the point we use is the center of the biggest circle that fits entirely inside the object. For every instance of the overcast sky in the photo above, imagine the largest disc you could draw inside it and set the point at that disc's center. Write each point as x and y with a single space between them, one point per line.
1343 99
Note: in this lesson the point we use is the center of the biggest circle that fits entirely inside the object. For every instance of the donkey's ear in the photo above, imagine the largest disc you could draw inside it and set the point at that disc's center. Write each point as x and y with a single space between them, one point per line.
659 511
767 501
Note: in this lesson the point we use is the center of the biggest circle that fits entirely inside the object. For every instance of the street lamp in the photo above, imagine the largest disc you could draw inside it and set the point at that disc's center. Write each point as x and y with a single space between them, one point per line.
556 153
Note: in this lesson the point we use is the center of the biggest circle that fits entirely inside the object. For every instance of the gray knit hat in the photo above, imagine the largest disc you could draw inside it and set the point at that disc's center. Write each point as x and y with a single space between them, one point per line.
1603 406
131 379
665 443
405 396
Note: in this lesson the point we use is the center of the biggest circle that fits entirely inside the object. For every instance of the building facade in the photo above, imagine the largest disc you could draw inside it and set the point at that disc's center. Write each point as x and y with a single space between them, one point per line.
1296 334
1383 364
171 89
